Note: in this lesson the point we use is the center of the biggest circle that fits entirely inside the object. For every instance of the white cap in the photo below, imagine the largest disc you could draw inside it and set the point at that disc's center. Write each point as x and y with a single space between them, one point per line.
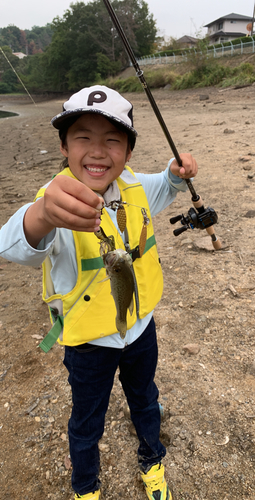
98 99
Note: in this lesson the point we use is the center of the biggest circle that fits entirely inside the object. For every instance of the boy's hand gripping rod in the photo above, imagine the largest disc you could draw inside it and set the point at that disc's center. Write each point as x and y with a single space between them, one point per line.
201 218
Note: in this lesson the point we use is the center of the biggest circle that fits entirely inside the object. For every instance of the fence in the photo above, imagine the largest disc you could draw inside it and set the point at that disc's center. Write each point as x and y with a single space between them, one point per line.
232 49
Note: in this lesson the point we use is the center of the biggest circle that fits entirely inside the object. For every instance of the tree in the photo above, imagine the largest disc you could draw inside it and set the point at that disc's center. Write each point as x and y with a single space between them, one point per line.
38 38
7 56
85 46
26 41
34 73
11 36
86 31
10 79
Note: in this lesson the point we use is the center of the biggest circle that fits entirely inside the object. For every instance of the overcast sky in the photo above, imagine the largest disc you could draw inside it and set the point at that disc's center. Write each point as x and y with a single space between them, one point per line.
174 18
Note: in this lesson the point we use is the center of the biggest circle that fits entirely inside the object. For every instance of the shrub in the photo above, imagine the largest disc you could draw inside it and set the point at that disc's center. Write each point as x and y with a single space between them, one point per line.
5 88
131 84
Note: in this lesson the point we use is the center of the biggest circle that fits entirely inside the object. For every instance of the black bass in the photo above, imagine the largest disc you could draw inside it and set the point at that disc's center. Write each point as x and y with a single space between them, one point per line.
118 265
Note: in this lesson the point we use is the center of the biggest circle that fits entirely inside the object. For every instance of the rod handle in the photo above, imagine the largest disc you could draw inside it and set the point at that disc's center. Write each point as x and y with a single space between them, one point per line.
210 230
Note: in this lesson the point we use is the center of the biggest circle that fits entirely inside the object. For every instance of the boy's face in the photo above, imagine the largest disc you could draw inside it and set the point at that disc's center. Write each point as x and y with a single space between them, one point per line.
96 150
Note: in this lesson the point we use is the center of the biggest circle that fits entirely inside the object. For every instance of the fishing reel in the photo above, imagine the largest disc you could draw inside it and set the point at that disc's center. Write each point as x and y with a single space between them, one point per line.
202 218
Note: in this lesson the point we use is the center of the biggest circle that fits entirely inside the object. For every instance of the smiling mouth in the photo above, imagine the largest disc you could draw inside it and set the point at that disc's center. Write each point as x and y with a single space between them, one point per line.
96 169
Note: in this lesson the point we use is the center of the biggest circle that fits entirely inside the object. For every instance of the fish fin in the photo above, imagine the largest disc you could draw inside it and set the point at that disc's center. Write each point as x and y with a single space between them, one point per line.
121 327
131 307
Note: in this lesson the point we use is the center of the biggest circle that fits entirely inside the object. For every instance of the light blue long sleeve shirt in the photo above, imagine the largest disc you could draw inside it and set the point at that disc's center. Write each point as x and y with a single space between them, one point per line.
161 189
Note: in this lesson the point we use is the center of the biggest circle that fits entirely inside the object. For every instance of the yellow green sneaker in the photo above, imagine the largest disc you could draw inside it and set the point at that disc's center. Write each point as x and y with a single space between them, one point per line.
88 496
155 484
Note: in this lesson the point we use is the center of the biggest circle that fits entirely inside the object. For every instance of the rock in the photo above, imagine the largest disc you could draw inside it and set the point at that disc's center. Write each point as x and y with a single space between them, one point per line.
204 97
219 123
222 442
204 243
32 407
232 290
104 448
252 368
126 411
67 462
132 430
244 158
191 349
250 214
228 131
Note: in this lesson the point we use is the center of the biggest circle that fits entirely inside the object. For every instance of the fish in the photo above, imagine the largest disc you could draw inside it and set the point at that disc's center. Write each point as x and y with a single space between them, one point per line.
118 265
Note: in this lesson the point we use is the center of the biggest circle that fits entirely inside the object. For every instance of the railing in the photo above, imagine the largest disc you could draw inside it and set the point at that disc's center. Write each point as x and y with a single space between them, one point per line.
232 49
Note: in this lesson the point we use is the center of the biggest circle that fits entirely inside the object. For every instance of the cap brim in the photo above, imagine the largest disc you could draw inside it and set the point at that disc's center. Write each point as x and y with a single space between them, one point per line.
59 120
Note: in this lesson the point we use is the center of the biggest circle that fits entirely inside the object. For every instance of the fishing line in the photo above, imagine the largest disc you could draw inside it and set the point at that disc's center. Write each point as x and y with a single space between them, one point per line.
13 69
41 112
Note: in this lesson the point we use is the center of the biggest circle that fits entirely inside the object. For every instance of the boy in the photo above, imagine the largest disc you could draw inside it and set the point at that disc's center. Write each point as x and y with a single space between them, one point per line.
97 138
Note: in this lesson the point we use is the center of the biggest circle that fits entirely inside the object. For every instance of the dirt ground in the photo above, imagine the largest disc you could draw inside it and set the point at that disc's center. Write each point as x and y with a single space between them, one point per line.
207 389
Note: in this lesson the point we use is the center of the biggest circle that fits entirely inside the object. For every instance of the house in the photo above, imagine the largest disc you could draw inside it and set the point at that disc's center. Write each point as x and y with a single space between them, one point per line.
20 55
187 41
229 27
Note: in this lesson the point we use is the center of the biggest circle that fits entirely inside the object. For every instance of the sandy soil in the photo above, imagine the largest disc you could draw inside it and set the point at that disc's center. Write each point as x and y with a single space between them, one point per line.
207 391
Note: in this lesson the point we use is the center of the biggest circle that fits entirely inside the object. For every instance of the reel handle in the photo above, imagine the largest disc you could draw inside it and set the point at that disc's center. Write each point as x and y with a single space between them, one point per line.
175 219
180 230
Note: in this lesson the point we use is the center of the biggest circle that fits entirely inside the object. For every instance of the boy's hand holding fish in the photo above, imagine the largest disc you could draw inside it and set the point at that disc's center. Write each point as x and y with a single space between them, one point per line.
67 203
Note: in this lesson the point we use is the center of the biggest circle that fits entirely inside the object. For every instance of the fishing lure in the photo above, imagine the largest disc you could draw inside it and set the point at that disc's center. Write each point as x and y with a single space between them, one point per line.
122 220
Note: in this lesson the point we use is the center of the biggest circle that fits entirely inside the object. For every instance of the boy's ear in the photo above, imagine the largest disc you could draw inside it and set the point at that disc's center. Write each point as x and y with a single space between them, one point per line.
129 154
63 149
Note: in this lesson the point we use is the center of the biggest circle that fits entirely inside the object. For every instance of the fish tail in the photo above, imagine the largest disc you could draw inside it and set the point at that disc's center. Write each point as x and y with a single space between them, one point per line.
121 327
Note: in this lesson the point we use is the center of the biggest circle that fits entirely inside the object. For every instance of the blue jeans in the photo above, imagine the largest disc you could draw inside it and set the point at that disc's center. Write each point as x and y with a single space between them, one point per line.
91 375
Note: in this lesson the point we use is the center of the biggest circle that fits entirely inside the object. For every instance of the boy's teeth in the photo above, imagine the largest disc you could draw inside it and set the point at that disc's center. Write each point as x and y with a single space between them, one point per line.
96 169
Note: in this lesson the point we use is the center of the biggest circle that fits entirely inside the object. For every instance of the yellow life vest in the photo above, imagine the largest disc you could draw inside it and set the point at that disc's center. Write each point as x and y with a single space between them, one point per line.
88 311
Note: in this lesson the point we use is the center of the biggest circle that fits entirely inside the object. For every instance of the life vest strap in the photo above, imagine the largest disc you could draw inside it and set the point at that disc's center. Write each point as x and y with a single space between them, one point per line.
51 337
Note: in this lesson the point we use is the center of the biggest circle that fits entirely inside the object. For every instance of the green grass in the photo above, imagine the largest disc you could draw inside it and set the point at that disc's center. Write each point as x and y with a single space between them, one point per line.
155 79
206 73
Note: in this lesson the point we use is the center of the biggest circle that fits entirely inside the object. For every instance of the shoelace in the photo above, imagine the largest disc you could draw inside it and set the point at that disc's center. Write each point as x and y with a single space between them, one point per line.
154 485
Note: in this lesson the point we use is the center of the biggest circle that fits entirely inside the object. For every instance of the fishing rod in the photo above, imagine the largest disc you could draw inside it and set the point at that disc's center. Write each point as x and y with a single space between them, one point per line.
200 217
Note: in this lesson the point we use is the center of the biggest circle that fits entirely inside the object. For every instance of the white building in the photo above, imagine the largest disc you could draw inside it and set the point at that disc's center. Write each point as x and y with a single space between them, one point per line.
228 28
20 55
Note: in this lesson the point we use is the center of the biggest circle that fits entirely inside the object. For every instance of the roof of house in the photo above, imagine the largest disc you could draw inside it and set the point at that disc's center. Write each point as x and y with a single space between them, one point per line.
230 17
235 34
20 55
187 39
